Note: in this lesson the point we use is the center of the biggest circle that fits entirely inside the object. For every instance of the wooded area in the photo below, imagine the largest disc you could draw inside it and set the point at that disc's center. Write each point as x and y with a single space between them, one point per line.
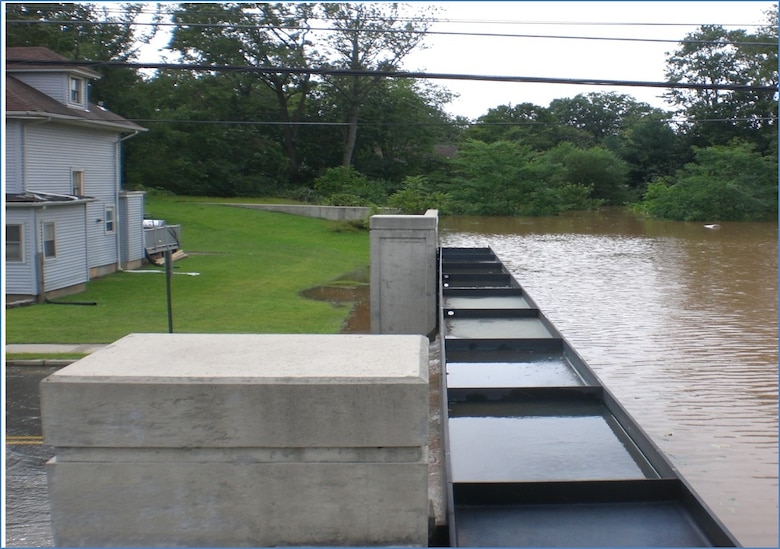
325 121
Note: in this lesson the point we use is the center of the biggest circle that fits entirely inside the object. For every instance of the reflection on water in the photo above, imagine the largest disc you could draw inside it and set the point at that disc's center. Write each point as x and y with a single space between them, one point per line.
680 322
513 449
552 371
499 328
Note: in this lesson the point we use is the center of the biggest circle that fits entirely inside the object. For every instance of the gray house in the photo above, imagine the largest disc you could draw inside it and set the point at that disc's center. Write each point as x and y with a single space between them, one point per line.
67 219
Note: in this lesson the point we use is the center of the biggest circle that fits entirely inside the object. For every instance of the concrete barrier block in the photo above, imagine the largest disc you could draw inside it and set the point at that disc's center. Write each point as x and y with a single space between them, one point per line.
201 390
213 504
194 440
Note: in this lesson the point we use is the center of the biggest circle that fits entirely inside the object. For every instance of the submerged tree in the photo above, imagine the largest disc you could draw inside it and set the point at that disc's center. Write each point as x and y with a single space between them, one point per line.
726 183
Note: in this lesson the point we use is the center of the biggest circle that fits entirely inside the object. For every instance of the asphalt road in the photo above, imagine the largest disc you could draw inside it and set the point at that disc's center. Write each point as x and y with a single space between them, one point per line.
27 520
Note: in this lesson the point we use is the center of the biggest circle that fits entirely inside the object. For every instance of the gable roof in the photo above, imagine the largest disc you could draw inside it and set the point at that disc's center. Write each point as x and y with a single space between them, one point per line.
24 101
39 58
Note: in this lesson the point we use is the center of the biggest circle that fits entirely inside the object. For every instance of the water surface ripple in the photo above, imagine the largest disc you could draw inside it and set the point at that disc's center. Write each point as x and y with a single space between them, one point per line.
681 323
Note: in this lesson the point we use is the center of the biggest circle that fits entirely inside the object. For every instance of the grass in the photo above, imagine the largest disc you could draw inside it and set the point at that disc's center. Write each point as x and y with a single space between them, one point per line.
250 265
46 356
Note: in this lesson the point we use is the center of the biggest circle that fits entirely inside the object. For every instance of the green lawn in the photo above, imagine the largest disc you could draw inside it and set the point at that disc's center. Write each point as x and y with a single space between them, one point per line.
250 265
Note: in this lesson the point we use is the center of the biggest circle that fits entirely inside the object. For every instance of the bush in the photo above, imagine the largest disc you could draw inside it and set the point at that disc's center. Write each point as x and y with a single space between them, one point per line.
416 196
345 186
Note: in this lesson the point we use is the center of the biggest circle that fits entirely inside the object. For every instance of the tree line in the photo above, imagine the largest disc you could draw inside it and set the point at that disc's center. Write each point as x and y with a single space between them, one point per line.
352 136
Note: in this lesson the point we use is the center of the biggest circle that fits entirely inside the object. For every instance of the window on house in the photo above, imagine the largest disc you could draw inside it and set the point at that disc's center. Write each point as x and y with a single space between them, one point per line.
49 241
109 217
76 90
77 182
14 251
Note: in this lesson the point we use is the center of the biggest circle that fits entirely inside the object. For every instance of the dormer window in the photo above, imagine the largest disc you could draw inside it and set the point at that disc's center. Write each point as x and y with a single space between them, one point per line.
77 91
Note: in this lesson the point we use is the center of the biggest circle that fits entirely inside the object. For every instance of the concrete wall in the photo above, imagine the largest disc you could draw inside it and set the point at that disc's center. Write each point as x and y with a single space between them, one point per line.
403 273
195 440
334 213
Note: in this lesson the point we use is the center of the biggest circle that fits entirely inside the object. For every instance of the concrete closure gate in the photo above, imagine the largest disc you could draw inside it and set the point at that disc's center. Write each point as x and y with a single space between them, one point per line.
301 440
197 440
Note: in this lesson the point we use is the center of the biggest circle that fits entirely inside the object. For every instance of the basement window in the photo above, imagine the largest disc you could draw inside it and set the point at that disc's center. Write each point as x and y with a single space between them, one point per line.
109 217
49 241
14 249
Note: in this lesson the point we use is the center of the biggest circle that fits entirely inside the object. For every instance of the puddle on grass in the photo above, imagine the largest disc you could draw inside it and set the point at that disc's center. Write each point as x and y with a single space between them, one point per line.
349 290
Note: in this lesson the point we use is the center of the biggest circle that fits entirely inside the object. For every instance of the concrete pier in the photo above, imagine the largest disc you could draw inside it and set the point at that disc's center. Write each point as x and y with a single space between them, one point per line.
241 440
403 273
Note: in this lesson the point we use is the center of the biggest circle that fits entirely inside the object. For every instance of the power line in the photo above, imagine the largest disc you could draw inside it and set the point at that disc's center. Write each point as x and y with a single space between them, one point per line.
239 26
323 71
416 124
437 20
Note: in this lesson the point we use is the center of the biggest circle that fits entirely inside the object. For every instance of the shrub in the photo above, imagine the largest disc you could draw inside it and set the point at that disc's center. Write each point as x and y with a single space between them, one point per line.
345 186
416 196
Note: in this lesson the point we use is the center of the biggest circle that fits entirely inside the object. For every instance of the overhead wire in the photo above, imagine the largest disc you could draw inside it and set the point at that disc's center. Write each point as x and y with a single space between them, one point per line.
240 26
326 71
369 122
424 75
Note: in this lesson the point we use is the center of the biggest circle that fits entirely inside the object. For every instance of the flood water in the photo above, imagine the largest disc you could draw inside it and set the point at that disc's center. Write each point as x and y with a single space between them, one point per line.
681 323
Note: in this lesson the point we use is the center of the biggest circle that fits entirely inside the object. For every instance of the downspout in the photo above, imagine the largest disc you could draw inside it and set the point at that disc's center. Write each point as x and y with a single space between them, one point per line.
117 206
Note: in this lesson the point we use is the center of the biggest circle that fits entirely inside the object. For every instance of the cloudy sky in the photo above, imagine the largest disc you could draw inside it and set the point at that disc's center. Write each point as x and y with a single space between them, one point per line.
565 57
659 25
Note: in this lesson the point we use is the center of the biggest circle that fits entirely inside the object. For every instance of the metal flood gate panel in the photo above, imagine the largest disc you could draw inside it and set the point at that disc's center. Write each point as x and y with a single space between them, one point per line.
538 451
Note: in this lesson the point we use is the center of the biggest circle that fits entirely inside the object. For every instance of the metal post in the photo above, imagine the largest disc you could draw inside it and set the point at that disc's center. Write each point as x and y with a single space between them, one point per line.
168 289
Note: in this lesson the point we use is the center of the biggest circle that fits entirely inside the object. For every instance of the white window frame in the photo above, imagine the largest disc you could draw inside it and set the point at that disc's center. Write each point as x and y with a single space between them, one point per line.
77 181
49 244
109 215
19 258
77 91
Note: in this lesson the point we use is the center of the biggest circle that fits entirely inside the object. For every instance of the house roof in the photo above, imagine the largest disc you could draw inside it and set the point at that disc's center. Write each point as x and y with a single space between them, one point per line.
24 101
43 199
40 58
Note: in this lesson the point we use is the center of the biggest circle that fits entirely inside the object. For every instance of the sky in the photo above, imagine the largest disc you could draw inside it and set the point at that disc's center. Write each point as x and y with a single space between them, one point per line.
565 58
644 61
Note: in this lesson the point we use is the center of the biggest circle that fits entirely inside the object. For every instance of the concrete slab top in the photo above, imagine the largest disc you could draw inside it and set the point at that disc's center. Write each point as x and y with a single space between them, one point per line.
256 358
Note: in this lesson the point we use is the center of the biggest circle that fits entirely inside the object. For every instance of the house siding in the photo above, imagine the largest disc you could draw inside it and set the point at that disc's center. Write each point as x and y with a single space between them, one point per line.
40 158
55 85
20 277
53 150
69 267
13 157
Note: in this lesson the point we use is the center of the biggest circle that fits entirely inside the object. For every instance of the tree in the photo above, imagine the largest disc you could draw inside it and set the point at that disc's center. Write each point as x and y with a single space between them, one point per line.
256 35
726 183
367 37
652 149
598 115
401 122
714 55
525 123
188 154
596 169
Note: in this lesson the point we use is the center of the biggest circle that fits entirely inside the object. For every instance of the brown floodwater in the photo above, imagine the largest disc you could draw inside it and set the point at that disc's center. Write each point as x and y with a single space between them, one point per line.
681 323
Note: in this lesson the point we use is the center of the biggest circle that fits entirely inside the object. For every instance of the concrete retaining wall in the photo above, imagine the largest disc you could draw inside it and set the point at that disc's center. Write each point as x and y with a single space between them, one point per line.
241 440
403 273
334 213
